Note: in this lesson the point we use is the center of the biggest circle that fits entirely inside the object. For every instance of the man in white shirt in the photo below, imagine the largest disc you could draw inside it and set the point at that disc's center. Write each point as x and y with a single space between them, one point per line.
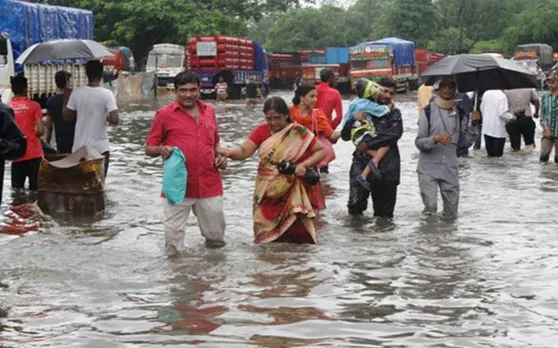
93 105
494 109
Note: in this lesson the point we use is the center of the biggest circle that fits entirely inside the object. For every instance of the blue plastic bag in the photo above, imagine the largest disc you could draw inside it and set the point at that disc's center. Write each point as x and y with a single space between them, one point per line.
174 177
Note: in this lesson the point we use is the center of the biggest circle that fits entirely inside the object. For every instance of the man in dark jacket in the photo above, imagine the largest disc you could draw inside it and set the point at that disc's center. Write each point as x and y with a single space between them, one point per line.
389 129
12 141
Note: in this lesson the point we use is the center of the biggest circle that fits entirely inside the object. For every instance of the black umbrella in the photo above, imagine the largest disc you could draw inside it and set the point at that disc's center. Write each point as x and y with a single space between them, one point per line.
478 72
63 49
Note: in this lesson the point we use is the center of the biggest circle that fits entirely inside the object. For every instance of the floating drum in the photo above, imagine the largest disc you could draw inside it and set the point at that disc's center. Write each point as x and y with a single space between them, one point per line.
72 183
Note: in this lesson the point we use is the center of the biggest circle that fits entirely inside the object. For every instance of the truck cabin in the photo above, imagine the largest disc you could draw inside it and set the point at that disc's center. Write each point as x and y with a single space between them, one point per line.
166 60
372 62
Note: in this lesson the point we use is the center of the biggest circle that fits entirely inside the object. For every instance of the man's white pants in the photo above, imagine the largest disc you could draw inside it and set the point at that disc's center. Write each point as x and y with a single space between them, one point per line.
211 221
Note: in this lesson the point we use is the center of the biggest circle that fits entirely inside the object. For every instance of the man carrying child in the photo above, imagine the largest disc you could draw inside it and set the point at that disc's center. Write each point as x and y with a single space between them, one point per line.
375 127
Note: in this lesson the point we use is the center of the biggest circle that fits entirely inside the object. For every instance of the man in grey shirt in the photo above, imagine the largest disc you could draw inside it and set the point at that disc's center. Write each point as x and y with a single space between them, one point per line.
443 128
519 101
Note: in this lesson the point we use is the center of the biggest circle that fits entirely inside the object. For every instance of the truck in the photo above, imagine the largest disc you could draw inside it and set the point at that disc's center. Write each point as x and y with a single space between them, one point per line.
389 57
23 24
235 59
166 60
536 57
425 58
284 69
122 59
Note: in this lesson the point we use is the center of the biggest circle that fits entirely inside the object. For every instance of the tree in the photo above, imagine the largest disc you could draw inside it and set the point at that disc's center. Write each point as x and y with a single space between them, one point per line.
415 20
537 23
258 30
308 28
139 24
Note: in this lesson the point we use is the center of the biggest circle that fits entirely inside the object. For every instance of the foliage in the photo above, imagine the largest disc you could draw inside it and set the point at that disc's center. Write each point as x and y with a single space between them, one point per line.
537 24
449 26
414 20
490 46
308 28
258 30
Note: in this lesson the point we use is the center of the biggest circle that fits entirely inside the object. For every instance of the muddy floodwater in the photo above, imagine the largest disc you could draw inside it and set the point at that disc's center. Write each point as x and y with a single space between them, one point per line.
488 280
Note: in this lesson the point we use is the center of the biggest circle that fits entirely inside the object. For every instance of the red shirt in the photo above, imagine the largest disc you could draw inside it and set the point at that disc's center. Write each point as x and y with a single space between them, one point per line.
26 113
173 126
329 99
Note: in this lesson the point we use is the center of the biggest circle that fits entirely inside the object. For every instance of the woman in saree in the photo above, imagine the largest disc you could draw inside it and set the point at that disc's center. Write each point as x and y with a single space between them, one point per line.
284 205
304 111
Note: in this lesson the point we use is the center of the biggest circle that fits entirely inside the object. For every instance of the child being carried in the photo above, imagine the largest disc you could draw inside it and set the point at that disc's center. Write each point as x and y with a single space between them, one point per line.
362 110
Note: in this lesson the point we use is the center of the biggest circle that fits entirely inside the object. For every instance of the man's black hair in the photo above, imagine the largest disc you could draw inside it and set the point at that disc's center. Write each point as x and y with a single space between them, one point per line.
387 82
326 75
19 84
94 70
187 76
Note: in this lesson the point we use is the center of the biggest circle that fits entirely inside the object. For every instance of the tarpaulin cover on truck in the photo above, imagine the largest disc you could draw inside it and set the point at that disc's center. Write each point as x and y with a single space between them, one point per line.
30 23
403 50
260 59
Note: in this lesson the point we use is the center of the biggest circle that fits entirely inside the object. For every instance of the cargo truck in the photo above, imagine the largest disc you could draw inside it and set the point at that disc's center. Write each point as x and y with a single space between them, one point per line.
23 24
536 57
166 60
284 69
236 60
390 57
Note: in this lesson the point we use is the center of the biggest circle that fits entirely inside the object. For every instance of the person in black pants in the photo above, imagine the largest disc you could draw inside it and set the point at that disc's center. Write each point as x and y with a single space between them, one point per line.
389 129
494 146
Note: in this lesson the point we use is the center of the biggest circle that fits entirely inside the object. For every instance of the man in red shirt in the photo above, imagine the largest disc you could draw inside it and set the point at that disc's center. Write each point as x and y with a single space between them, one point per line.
190 125
329 98
28 116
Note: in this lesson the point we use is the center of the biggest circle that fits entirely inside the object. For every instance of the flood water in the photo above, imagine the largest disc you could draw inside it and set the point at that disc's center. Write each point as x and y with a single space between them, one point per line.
487 280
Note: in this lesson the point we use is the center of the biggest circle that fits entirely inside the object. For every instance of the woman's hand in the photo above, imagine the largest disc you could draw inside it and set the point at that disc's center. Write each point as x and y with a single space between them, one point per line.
224 152
300 170
335 136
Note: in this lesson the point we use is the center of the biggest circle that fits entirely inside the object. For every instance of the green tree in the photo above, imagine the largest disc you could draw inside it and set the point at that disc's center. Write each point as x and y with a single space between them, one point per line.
308 28
415 20
258 30
537 23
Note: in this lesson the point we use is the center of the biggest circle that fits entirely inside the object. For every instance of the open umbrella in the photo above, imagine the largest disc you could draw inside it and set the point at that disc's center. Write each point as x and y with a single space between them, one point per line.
63 49
475 72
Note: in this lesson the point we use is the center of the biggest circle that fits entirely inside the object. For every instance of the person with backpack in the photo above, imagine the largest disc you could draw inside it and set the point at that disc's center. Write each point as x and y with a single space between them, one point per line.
443 128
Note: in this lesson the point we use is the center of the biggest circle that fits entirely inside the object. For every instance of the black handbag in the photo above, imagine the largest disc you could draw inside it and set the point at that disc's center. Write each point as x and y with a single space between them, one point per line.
312 176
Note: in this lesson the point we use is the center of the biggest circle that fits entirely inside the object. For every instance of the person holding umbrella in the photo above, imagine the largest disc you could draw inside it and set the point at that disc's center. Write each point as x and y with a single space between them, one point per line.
443 128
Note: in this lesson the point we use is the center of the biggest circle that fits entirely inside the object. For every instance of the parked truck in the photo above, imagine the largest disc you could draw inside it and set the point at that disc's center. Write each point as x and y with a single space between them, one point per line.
391 57
536 57
236 60
284 69
335 59
23 24
425 58
122 59
166 60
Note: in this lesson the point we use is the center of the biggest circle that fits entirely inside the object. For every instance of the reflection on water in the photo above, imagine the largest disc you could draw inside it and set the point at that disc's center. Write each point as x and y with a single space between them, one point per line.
485 280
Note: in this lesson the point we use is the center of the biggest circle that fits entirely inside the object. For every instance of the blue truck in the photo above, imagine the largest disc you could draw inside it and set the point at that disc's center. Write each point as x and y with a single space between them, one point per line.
23 24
